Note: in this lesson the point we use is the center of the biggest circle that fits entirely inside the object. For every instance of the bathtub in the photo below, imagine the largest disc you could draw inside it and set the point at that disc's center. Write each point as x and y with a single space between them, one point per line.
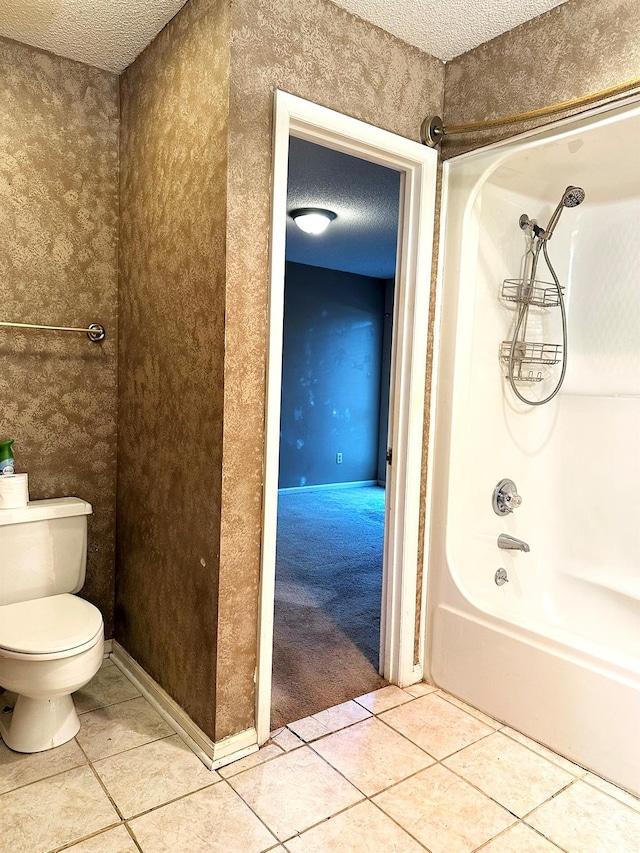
555 652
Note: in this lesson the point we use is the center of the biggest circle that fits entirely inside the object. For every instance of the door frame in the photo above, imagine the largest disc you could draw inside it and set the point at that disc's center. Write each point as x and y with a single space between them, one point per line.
417 164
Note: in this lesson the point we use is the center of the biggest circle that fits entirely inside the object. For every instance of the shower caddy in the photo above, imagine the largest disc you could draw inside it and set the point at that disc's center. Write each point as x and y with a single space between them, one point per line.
529 357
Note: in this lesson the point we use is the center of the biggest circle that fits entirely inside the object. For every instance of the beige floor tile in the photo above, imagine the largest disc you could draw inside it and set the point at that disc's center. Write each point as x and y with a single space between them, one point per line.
293 792
361 829
420 689
443 811
484 718
584 820
325 722
116 728
435 725
308 729
287 740
509 773
152 774
53 812
613 790
383 699
267 752
17 769
372 756
214 820
107 687
520 839
549 754
115 840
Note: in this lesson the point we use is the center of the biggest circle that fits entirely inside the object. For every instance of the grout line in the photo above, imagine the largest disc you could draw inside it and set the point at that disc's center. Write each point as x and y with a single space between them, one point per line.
102 785
259 763
110 705
448 697
130 748
493 838
566 787
550 760
335 731
507 829
132 836
403 828
69 844
254 812
635 809
42 778
546 838
302 832
171 801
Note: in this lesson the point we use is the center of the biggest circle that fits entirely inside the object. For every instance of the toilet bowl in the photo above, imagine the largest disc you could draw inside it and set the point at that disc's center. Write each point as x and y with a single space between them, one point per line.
51 641
49 647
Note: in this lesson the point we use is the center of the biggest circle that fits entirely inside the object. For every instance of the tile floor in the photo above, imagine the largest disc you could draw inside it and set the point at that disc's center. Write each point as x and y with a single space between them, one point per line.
396 771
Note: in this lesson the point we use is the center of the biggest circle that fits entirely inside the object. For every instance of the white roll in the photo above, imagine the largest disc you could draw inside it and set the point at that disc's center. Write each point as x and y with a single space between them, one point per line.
14 491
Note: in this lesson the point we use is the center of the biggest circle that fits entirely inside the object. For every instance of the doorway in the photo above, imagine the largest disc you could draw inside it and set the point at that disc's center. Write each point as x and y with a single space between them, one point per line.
337 333
416 166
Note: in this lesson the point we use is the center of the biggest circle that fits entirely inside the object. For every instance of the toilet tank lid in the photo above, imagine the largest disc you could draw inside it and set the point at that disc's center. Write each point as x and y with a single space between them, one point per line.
41 510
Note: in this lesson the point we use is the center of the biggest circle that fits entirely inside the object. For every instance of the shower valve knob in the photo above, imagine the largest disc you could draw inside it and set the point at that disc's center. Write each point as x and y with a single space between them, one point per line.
505 497
512 500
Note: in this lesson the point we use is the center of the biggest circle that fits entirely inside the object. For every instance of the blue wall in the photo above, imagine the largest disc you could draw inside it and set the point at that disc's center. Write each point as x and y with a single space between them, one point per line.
331 376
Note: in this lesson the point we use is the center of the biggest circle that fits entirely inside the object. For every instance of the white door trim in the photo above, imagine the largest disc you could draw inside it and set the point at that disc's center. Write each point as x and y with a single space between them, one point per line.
418 165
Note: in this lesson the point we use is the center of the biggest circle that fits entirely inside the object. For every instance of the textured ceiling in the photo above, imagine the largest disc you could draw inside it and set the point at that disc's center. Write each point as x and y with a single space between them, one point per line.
111 33
362 239
447 28
106 33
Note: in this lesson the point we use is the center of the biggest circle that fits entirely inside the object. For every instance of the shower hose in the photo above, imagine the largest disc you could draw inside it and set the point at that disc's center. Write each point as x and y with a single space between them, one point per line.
524 310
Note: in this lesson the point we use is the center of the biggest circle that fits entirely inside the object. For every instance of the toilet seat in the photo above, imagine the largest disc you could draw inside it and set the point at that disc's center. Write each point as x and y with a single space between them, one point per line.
58 626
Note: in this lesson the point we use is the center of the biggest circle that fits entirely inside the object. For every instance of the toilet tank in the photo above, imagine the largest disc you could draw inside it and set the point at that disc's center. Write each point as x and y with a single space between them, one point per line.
43 549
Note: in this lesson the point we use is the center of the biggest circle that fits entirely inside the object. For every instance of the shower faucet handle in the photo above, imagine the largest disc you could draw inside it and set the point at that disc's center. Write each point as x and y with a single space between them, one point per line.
505 497
512 500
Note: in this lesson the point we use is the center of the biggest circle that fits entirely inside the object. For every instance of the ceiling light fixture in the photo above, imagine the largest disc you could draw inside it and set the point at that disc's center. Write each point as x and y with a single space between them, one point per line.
312 220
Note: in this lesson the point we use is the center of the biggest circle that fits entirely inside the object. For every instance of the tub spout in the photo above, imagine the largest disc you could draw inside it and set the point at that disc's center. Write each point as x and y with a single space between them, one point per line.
510 543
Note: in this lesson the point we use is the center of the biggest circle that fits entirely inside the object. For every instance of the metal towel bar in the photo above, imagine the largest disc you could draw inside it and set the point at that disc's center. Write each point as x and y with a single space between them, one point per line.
96 332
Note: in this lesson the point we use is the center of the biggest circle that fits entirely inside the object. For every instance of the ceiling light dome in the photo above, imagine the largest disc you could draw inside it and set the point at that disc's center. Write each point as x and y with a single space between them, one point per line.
312 220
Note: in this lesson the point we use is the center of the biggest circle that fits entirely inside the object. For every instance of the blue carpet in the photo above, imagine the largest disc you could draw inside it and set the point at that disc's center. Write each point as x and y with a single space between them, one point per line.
328 598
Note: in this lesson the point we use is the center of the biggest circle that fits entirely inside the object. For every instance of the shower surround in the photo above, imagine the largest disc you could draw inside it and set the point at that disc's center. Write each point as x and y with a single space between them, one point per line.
554 652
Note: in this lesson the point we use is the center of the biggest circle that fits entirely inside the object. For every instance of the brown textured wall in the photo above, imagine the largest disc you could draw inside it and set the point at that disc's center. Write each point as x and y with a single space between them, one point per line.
313 49
172 271
58 266
575 49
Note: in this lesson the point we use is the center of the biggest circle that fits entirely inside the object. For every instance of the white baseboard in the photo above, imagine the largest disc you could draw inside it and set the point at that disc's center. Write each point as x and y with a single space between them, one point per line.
213 754
108 647
352 485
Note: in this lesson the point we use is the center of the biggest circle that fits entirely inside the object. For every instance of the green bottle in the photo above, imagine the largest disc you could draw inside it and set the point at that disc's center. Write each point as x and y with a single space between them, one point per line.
7 462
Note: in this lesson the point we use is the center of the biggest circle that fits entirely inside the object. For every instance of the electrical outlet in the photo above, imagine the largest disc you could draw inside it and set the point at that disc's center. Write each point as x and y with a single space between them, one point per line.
338 458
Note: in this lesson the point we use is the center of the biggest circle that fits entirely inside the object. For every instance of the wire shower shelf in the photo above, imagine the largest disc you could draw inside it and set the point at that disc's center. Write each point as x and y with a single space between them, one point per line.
527 352
542 294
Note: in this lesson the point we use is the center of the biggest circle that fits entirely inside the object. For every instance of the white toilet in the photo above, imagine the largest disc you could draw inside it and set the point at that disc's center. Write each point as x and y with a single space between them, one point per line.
51 641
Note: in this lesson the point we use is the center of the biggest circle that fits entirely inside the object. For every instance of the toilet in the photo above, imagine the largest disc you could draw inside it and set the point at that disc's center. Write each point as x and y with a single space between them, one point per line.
51 641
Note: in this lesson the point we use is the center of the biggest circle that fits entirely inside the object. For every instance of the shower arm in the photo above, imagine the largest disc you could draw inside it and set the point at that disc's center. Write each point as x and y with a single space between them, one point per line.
433 131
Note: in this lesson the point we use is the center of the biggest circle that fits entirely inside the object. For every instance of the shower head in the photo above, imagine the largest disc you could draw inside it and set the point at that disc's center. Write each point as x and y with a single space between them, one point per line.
571 197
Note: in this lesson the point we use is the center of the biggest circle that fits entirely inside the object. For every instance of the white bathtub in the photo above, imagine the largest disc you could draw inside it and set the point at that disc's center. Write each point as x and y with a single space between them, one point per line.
554 653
